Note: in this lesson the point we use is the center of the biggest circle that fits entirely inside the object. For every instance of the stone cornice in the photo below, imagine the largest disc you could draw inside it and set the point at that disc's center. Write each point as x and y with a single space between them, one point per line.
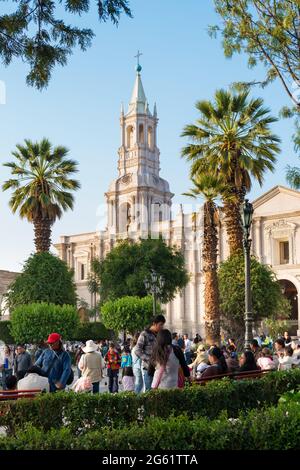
283 215
138 189
272 193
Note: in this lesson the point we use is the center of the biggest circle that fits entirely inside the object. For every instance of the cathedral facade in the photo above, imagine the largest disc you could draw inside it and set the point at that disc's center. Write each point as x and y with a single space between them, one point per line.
139 204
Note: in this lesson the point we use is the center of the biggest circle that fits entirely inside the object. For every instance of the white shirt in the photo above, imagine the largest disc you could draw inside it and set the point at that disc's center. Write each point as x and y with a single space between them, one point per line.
286 362
187 343
34 381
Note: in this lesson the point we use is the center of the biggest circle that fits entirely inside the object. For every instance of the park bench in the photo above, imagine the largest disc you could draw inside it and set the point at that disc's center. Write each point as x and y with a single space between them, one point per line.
253 374
17 394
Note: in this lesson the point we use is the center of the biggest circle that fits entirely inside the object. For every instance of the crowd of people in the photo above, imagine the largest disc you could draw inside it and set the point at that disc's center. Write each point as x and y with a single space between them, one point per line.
152 359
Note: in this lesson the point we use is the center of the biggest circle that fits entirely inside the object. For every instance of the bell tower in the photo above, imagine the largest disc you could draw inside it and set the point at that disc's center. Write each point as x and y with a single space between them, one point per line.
138 200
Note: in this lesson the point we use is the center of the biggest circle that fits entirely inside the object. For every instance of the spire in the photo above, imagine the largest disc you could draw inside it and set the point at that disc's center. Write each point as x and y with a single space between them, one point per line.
122 109
138 103
138 97
155 110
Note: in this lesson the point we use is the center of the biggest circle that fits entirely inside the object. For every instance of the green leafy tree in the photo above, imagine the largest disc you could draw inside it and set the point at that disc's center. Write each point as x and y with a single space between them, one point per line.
129 314
267 299
232 140
269 32
45 278
124 269
33 323
42 186
32 31
276 327
5 334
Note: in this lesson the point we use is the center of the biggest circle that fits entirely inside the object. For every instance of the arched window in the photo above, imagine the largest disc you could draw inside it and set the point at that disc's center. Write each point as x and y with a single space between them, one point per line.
129 137
150 137
141 134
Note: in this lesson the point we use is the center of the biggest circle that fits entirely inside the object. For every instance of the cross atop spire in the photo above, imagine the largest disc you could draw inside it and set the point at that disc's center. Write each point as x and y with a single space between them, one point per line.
138 66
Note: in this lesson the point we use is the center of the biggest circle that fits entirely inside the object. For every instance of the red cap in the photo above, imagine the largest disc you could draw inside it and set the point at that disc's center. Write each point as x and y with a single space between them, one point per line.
53 338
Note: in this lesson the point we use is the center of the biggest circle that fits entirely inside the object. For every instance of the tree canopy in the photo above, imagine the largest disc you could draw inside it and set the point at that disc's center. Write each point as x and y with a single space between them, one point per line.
267 298
269 32
125 267
42 183
39 32
129 314
45 278
232 139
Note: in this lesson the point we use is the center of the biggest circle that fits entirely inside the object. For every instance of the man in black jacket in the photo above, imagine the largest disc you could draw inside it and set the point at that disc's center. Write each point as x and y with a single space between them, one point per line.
22 361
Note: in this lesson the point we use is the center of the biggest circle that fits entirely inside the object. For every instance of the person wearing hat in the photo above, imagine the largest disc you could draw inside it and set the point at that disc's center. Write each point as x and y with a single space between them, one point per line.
56 363
92 364
200 363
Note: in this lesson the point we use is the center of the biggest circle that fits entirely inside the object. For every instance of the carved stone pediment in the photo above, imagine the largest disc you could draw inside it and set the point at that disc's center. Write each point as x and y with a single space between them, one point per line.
281 227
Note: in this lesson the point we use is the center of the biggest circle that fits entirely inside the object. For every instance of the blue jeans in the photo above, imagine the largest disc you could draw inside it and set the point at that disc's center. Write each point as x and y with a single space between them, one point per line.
5 374
188 357
113 377
138 380
147 379
96 387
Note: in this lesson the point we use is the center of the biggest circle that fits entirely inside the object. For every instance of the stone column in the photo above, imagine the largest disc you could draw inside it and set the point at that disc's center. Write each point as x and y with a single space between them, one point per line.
257 238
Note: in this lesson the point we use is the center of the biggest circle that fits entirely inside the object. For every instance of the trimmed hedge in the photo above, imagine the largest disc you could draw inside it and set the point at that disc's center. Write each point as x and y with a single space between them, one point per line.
82 412
91 330
33 323
5 334
270 429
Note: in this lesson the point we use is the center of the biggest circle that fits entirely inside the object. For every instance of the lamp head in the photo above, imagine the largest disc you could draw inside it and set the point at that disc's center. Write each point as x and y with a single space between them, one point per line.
247 214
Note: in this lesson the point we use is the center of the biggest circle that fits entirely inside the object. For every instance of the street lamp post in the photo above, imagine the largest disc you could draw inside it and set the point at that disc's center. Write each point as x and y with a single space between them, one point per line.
247 213
154 285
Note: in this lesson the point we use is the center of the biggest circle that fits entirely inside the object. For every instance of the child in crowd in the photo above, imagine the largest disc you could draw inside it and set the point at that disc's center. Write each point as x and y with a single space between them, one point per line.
128 379
265 362
126 359
113 361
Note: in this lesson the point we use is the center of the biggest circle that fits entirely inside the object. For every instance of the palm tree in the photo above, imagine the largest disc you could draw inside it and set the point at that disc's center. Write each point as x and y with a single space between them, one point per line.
293 172
210 187
41 186
232 138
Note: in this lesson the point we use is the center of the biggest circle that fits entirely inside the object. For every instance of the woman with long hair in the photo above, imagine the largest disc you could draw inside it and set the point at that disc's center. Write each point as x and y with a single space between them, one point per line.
217 362
247 362
167 363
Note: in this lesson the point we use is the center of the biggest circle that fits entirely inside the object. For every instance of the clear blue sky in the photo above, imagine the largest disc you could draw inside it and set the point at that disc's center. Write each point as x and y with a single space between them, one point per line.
80 109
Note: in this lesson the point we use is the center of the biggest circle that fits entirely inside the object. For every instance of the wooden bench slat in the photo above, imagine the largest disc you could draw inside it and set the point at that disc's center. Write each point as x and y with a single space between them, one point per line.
17 394
234 375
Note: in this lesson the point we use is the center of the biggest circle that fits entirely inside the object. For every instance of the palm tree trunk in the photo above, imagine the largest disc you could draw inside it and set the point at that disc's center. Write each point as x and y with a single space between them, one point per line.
42 232
233 224
232 202
211 292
